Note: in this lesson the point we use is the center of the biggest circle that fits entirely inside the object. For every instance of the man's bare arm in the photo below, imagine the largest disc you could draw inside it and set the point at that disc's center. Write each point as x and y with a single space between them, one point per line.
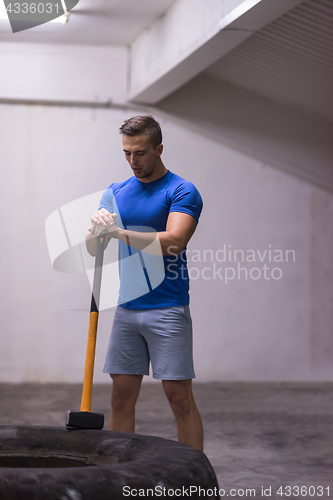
179 229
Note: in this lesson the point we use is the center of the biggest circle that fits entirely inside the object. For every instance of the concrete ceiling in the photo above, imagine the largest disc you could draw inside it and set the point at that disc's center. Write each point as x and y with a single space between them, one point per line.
289 60
95 22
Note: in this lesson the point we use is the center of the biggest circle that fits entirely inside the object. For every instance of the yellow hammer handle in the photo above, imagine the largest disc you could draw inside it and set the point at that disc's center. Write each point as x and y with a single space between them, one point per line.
92 332
90 362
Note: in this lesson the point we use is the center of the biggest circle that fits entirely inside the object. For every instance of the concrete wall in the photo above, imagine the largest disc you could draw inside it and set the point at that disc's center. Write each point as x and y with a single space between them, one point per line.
49 157
244 329
65 73
265 171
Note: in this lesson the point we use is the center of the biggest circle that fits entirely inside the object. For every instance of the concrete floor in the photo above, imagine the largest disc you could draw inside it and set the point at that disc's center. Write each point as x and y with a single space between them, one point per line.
256 434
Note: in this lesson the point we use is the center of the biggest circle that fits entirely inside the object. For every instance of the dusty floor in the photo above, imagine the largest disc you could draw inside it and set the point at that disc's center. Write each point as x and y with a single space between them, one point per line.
256 435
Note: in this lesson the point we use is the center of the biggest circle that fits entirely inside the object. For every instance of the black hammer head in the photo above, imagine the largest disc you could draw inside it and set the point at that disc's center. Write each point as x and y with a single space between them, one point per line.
85 420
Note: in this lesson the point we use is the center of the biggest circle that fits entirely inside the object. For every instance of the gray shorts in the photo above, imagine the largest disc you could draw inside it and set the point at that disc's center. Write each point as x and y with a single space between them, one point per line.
160 336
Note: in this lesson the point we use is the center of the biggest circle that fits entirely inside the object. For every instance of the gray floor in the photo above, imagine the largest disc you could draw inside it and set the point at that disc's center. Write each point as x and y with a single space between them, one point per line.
256 435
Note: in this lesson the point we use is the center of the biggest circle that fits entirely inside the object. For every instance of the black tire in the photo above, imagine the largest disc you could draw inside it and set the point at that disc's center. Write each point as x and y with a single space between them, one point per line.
51 463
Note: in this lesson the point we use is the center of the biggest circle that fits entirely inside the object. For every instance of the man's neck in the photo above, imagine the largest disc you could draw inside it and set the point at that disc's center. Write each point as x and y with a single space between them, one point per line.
159 171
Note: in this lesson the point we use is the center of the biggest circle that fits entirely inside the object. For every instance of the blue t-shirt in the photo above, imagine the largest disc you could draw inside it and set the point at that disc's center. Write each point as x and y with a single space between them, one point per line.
145 206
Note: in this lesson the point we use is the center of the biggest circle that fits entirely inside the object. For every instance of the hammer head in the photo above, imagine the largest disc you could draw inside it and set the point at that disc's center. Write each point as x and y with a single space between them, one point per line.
85 420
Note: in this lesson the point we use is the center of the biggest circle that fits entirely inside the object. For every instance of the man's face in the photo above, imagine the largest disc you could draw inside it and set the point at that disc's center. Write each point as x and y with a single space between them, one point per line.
141 155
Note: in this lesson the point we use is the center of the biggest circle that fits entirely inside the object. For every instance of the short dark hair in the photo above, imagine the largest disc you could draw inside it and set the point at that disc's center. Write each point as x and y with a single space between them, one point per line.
138 125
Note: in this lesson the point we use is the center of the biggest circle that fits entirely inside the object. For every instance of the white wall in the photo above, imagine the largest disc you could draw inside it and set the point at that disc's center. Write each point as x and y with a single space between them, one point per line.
248 329
241 150
274 133
70 73
49 156
243 330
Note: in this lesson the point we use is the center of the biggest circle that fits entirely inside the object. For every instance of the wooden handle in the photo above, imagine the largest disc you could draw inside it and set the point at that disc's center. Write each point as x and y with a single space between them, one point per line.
92 332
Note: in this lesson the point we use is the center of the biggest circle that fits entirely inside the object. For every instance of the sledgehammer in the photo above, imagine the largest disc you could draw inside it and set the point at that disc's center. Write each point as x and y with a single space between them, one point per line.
85 419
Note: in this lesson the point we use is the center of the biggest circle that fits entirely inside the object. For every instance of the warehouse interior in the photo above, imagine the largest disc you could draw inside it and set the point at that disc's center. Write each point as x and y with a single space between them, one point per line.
243 92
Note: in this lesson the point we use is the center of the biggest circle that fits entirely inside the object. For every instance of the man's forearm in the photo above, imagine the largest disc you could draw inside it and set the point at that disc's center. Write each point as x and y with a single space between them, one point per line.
156 242
180 227
150 242
91 244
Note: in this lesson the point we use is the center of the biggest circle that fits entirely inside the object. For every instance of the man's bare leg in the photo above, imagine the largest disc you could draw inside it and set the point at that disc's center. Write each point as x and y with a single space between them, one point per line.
125 392
181 400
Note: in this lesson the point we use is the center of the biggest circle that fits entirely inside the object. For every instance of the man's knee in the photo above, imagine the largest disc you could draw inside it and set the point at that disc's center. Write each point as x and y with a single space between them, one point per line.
125 391
180 405
180 397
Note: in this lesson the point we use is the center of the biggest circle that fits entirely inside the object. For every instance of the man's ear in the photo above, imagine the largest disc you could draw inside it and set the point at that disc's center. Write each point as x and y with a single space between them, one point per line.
159 150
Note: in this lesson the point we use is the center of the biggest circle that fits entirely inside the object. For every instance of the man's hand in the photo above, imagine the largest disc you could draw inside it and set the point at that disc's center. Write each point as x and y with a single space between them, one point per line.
103 222
179 229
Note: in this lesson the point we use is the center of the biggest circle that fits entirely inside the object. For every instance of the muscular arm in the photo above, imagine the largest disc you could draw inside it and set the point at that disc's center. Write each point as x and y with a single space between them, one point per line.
179 229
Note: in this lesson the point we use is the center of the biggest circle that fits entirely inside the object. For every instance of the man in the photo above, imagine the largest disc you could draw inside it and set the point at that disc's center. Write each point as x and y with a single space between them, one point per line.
155 327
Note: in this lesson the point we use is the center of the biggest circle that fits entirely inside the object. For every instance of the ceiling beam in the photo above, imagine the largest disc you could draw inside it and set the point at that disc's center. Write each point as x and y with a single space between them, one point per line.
189 38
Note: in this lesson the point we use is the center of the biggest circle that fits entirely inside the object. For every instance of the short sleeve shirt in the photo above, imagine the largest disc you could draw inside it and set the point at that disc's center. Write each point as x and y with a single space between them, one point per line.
145 207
